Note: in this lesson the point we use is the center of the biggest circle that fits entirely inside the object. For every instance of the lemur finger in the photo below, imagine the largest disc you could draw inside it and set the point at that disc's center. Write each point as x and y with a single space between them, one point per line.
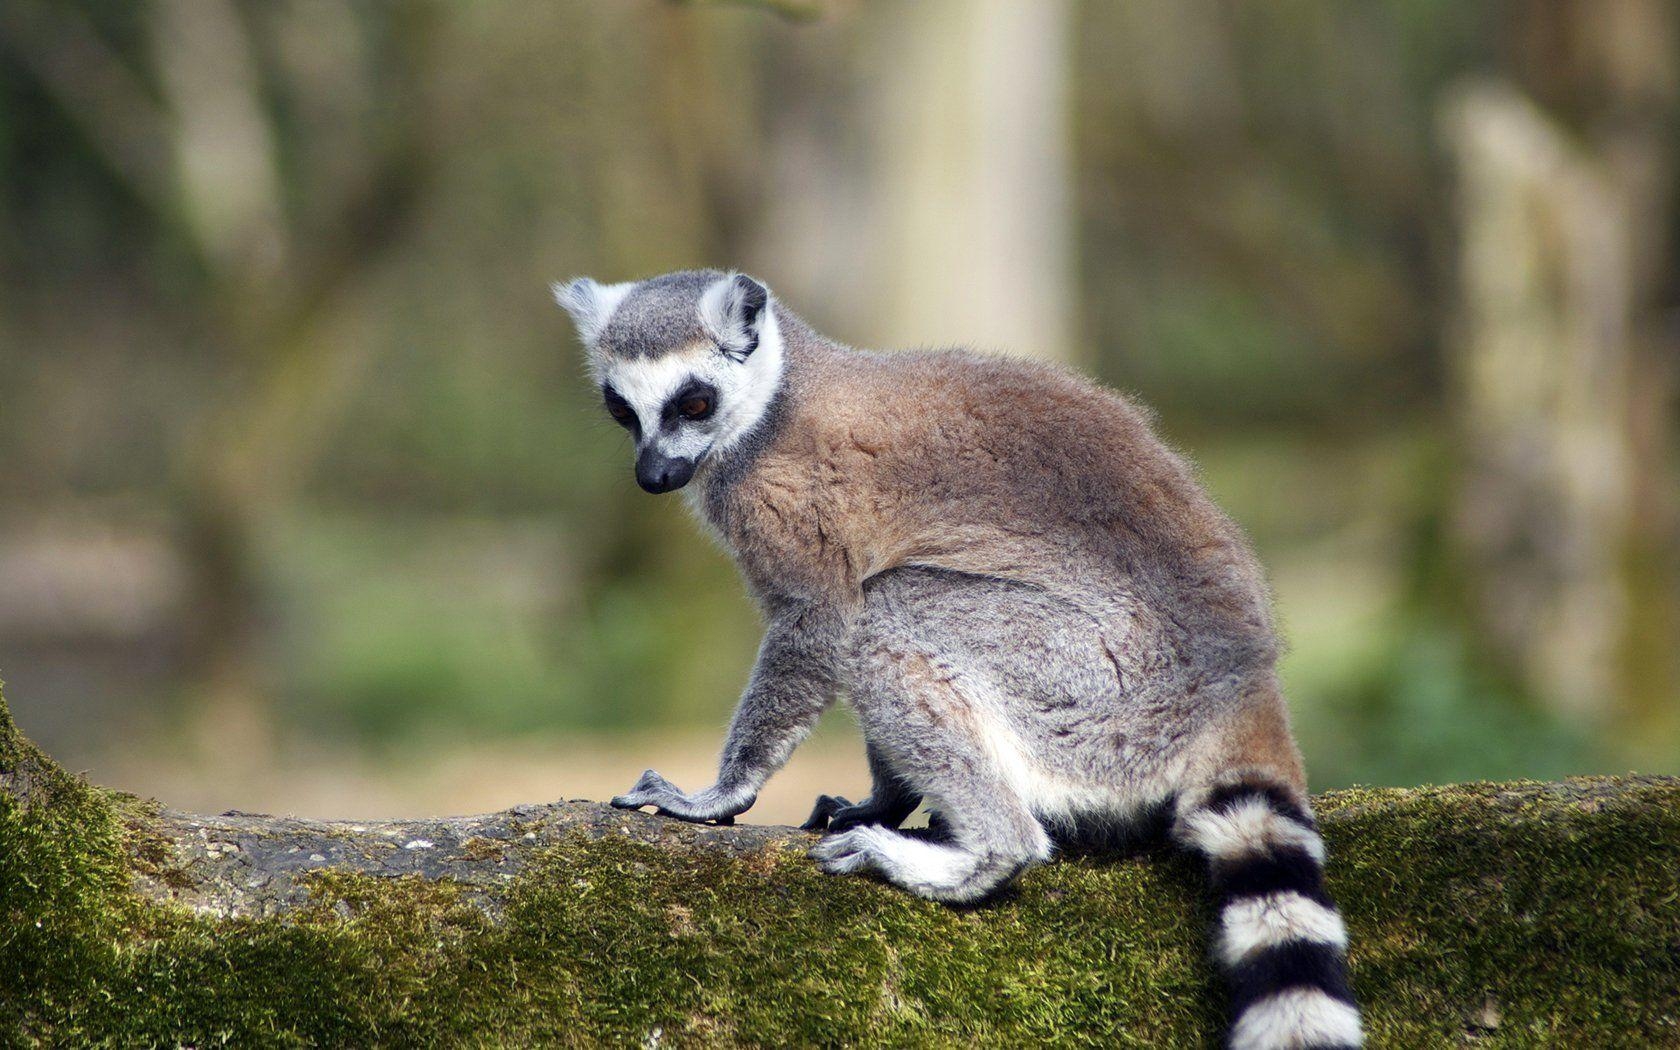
695 817
650 789
845 864
844 853
827 806
833 846
857 816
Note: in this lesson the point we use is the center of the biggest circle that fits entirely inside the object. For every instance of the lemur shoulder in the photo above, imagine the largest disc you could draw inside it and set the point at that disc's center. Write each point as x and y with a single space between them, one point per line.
1044 624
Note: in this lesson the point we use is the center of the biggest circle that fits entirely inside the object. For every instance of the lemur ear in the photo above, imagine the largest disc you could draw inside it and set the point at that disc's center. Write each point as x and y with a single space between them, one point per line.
733 311
591 304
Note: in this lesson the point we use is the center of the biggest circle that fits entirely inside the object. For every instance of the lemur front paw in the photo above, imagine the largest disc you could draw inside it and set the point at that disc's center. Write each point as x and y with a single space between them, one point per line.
714 804
826 809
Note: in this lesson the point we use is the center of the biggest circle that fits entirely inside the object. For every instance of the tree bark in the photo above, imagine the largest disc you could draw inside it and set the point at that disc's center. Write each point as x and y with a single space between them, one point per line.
246 864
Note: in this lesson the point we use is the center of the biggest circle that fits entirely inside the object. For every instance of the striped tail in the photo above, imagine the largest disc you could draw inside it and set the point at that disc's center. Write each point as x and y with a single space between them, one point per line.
1280 941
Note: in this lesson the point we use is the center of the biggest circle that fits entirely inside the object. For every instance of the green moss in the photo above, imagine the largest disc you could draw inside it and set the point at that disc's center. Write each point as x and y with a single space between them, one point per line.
1562 917
64 874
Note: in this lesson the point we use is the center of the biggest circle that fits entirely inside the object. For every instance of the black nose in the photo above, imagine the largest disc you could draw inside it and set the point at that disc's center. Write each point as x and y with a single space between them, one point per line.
657 473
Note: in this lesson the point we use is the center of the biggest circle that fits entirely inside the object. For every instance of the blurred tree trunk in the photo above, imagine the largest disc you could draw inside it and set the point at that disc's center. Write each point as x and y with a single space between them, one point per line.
1565 359
228 197
974 172
273 288
934 205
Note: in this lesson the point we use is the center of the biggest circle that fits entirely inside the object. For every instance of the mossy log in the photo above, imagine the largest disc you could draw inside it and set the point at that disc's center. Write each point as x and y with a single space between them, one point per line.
1500 914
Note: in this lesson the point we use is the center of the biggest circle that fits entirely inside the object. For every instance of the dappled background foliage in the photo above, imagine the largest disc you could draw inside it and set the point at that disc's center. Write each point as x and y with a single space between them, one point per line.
301 485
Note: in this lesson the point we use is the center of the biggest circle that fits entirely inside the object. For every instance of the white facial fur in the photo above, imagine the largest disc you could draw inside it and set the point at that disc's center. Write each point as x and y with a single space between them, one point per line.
744 390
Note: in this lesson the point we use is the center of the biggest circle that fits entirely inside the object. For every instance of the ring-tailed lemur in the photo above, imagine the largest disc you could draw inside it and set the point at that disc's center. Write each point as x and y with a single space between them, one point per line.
1044 624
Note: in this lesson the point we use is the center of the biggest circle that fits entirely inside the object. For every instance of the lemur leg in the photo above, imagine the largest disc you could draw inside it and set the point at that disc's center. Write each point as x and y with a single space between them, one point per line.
990 837
891 800
928 727
793 681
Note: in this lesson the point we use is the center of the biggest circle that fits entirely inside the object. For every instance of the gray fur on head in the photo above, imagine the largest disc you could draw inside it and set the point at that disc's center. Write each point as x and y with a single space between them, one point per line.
661 314
666 313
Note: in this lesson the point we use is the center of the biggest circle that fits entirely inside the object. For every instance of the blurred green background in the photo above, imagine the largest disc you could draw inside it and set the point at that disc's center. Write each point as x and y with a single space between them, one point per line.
305 503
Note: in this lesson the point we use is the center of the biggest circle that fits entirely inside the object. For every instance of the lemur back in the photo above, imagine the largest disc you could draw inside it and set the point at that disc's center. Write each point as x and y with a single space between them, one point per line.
1044 625
956 460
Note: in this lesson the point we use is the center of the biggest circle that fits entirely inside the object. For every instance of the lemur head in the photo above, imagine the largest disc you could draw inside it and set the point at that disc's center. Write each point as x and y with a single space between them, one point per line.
687 363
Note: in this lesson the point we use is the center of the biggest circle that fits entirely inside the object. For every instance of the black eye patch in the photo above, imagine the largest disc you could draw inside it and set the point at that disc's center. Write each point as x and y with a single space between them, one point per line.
620 410
695 402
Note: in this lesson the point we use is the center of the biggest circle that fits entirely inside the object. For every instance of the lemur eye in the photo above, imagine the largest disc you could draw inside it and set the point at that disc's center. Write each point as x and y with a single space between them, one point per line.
695 407
621 412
